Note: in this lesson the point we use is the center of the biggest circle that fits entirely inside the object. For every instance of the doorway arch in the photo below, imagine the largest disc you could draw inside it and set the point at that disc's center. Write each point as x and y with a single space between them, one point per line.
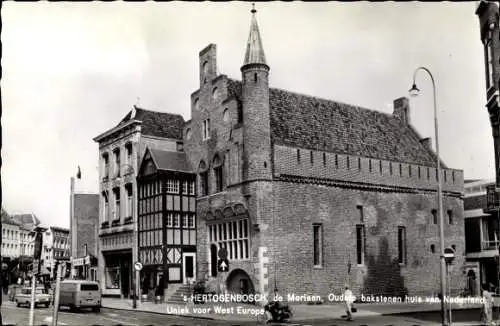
471 282
238 281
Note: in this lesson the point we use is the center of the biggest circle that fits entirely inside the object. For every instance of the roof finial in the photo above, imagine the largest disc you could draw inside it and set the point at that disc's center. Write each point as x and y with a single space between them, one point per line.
253 8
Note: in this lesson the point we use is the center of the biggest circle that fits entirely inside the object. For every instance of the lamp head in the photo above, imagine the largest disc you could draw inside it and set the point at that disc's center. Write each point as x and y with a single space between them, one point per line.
414 91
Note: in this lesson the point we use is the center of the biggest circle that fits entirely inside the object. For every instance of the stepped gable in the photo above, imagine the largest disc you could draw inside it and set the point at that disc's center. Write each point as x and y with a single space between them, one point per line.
159 124
314 123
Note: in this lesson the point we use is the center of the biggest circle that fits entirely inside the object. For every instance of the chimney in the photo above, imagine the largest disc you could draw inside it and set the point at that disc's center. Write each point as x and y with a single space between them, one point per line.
402 109
427 142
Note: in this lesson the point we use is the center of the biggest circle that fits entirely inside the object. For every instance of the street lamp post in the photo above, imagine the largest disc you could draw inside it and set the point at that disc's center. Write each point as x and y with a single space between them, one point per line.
414 92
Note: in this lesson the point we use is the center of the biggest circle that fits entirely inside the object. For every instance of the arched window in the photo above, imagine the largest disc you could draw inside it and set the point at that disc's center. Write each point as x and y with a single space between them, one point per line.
218 173
203 178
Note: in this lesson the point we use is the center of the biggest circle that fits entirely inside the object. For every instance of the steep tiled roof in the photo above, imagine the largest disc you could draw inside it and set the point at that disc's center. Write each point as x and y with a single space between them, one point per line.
159 124
313 123
170 161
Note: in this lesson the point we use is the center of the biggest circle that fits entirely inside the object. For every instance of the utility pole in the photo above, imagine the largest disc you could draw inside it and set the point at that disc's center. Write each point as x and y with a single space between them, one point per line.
56 295
36 265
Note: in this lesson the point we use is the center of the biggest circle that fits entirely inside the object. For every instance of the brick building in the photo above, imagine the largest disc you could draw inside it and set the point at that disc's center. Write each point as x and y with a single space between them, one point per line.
120 150
306 194
488 15
84 226
481 237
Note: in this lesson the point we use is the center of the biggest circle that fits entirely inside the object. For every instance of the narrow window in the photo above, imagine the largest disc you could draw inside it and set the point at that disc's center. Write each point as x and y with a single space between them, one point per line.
106 206
360 244
380 166
390 168
204 183
409 170
218 178
255 77
298 156
400 170
402 245
434 216
130 211
453 176
128 149
445 177
419 173
359 163
318 245
324 159
105 158
370 165
117 162
117 203
348 163
433 248
312 157
450 216
206 129
336 161
361 214
428 174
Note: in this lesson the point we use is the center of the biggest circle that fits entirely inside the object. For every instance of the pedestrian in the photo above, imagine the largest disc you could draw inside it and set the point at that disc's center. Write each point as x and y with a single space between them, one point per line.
348 300
487 306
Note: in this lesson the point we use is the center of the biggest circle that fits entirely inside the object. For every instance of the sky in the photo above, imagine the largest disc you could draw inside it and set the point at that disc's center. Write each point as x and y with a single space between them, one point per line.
72 70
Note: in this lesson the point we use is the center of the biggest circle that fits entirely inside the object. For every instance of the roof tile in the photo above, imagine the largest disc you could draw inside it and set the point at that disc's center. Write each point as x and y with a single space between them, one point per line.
318 124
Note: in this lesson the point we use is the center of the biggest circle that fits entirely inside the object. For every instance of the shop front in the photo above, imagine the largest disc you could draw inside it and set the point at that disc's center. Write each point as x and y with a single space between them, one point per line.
118 272
85 268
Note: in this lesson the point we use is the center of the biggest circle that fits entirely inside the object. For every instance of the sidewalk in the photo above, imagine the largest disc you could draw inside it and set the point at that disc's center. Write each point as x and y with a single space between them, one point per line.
245 312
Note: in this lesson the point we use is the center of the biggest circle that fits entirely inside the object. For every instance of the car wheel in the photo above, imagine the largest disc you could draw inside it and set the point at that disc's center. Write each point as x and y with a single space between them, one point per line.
18 304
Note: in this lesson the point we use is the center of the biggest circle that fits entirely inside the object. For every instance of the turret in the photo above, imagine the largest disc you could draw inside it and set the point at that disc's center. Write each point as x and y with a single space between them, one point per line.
256 111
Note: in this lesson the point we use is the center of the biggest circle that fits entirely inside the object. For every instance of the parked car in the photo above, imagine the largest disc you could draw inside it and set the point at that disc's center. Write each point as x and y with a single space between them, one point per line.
77 294
23 297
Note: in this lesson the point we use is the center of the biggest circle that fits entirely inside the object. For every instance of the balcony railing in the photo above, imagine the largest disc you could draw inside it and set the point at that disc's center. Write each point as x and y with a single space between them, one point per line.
489 245
492 197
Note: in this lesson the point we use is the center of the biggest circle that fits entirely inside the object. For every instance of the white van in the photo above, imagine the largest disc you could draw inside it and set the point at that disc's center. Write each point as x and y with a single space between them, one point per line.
77 294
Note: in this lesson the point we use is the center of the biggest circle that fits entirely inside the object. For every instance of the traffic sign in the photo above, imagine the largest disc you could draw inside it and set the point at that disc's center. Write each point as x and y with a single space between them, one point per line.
138 266
449 255
223 265
222 253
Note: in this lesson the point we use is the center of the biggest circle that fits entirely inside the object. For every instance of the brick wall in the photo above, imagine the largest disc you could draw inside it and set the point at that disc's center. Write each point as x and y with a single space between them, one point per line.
336 166
87 222
298 206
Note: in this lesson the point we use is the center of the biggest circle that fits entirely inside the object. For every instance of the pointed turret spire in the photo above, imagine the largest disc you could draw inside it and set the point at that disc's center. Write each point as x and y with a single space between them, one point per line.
255 51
